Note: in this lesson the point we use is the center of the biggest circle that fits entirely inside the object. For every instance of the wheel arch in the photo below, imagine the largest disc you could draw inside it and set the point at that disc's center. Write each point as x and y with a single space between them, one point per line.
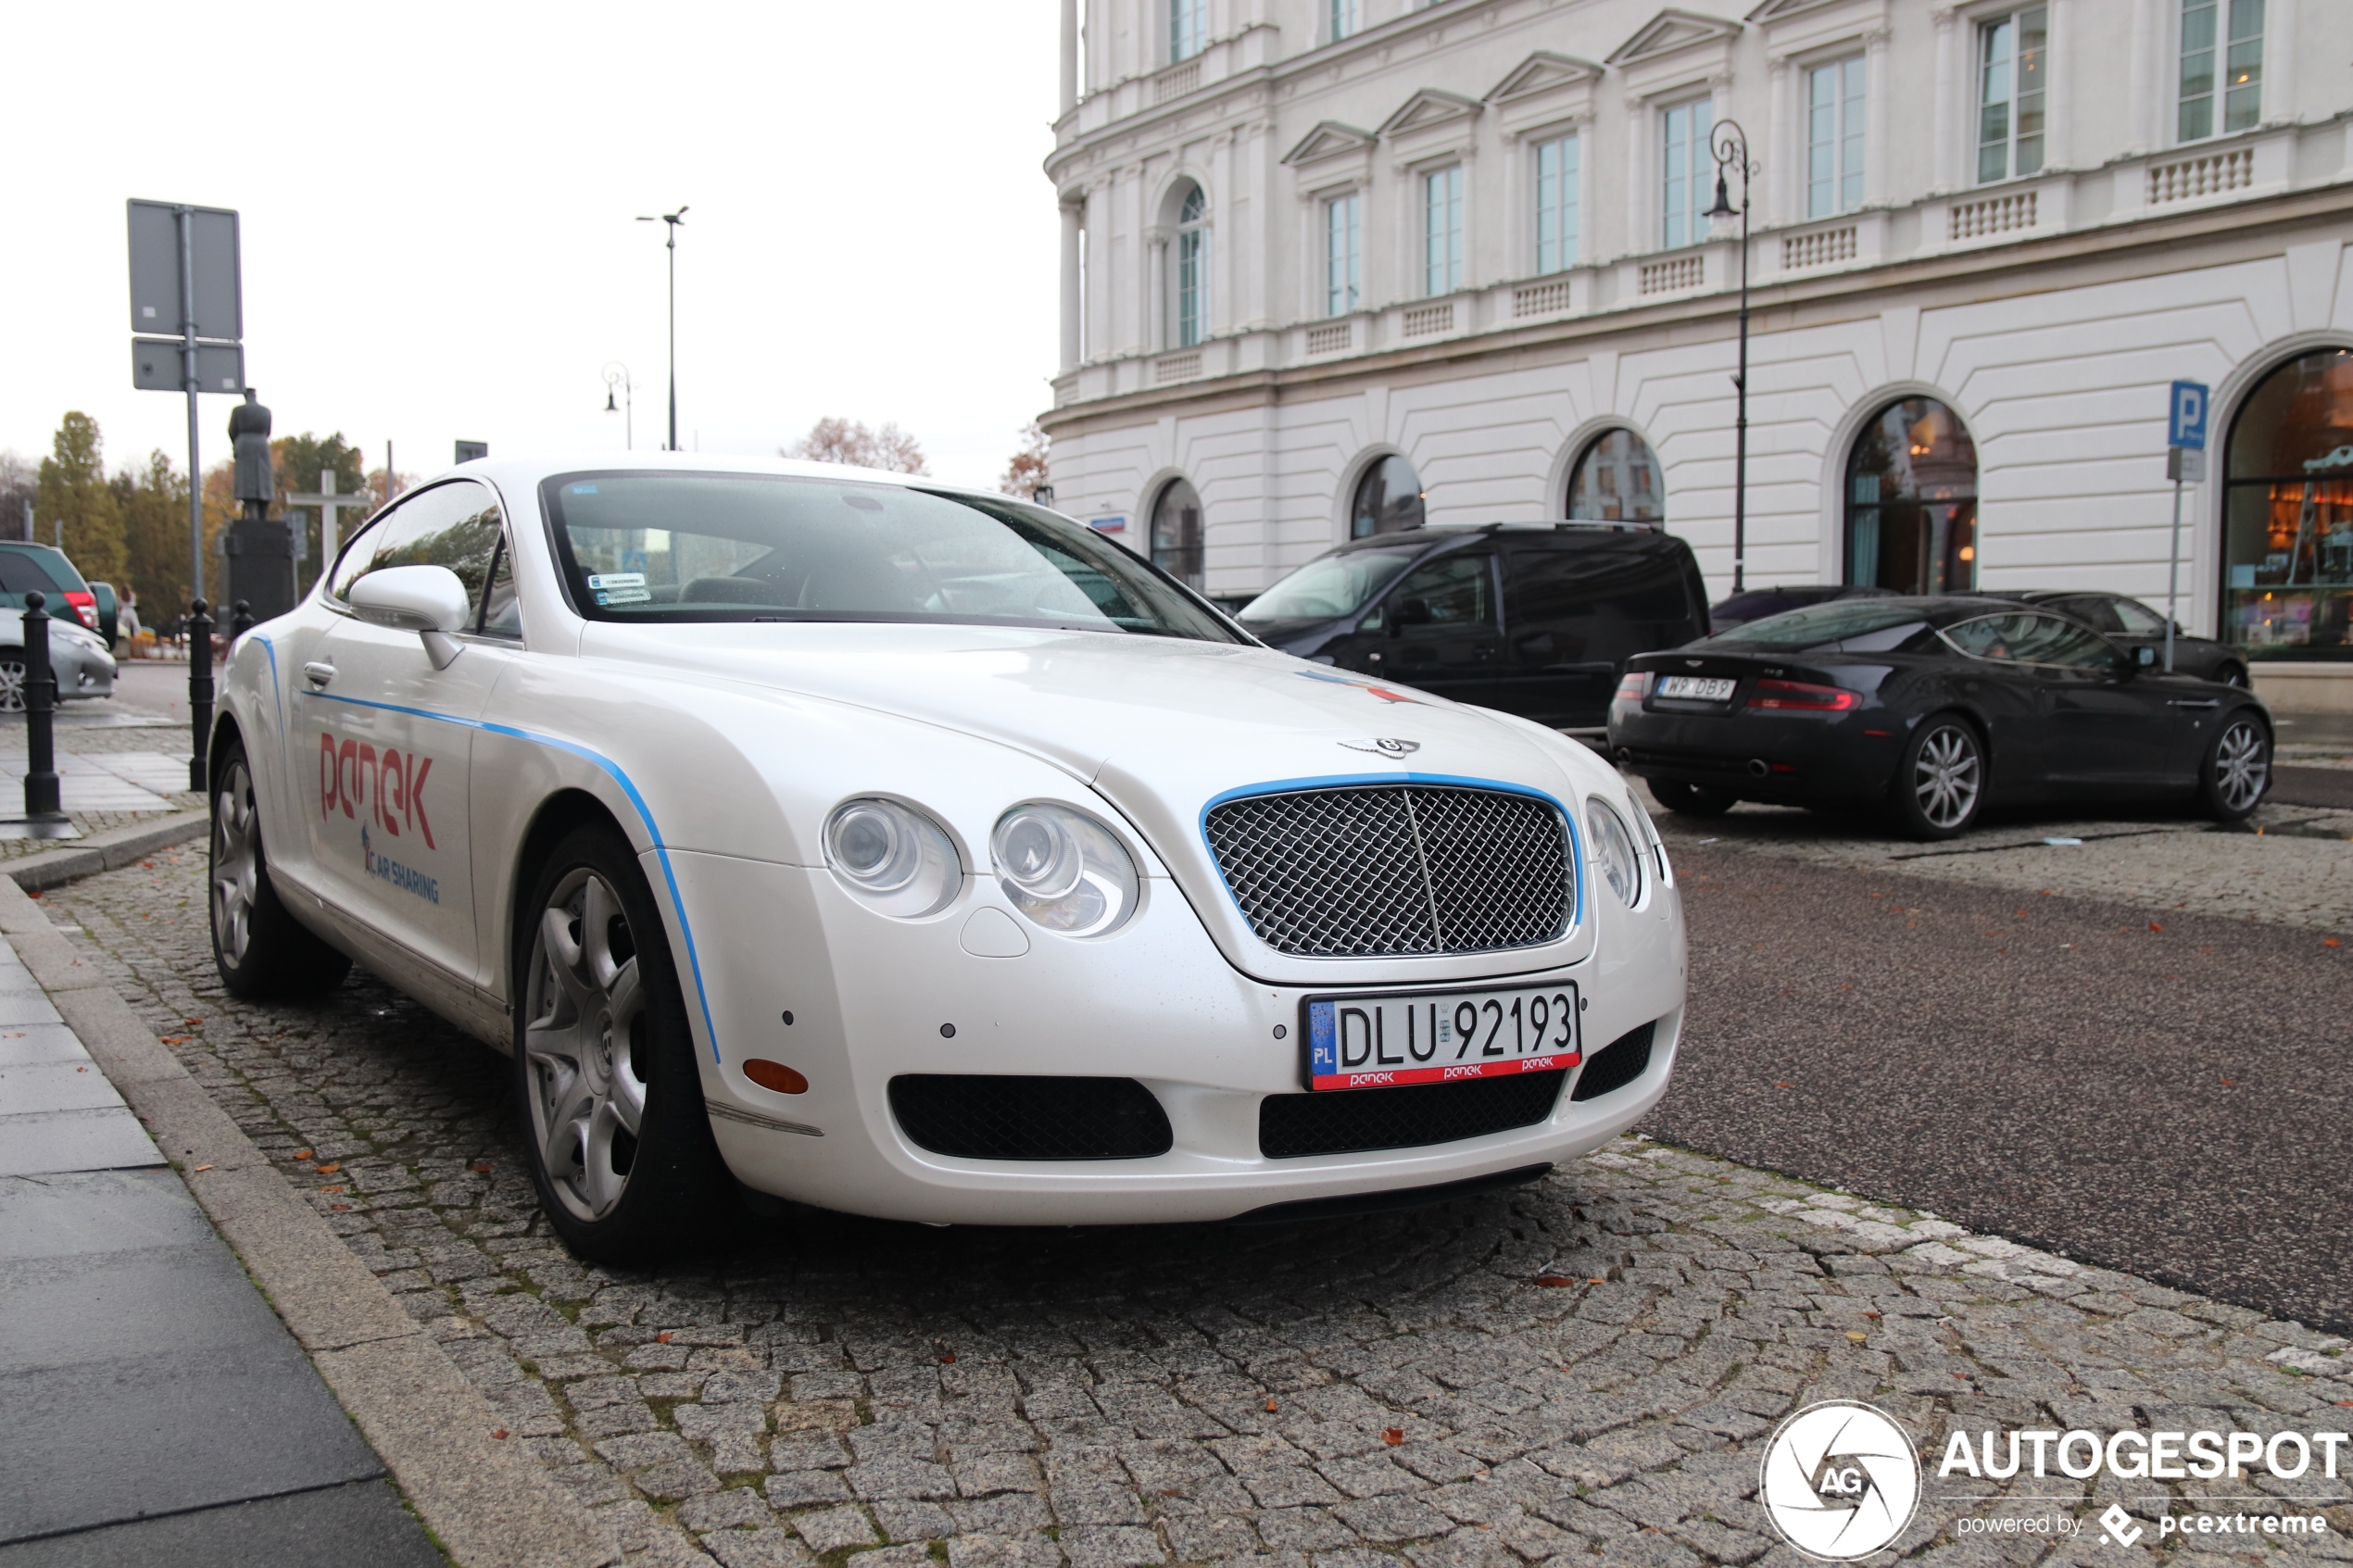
559 814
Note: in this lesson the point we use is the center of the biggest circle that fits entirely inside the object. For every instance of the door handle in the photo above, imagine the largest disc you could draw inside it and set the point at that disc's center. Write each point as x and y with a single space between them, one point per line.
318 673
2184 702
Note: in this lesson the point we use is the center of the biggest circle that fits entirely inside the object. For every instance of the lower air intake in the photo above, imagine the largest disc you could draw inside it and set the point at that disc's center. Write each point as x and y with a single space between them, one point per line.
1351 1121
977 1117
1616 1064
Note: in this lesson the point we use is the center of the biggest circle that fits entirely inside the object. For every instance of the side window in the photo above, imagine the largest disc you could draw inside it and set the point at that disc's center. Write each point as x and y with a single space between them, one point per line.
456 525
1990 637
1456 592
2032 639
2093 611
20 575
1603 605
2137 618
500 615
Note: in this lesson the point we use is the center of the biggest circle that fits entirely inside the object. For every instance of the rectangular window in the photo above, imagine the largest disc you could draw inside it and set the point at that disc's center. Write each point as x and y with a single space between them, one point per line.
1557 183
1343 254
1686 191
2013 68
1192 287
1185 29
2229 69
1834 138
1443 231
1344 13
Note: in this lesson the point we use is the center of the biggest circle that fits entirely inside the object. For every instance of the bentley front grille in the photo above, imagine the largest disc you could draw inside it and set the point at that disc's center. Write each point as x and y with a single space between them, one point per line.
1390 870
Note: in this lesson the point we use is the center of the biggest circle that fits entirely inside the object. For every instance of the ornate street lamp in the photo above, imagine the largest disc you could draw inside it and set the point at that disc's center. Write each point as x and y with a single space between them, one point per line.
617 381
1730 143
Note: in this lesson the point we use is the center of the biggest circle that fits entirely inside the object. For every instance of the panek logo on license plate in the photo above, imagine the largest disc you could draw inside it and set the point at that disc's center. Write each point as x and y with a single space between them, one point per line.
1430 1037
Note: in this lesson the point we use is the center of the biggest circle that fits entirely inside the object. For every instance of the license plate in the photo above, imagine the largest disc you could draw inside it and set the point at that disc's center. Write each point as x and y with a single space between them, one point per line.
1695 688
1433 1036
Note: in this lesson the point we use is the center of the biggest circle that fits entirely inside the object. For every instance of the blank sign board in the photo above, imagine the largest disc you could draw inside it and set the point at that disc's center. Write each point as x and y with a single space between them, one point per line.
155 272
156 367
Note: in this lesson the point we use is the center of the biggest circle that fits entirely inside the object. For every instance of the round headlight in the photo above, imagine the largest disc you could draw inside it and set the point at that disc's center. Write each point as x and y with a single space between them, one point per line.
893 857
1613 849
1063 870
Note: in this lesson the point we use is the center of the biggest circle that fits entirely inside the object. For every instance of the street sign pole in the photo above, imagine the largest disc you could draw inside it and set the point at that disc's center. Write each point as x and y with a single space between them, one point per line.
2184 461
187 218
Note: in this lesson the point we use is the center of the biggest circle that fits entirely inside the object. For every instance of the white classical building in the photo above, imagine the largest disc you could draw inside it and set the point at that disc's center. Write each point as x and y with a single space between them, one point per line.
1334 267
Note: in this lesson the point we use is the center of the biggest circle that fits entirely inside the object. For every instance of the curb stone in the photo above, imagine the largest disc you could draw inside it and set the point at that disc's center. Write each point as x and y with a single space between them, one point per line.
490 1503
106 851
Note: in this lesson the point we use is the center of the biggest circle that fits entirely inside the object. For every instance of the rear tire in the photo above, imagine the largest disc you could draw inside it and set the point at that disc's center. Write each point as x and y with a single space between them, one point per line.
2236 769
1690 801
259 946
1939 783
607 1085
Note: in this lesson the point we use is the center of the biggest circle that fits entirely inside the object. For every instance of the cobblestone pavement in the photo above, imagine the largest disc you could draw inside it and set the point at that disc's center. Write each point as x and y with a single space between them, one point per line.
2298 869
1580 1372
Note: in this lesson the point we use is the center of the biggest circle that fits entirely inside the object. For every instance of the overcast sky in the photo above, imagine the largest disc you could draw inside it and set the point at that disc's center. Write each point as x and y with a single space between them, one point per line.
437 203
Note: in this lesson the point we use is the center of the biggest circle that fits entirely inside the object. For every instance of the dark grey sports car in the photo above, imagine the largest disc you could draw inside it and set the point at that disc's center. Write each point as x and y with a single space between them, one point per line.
1932 708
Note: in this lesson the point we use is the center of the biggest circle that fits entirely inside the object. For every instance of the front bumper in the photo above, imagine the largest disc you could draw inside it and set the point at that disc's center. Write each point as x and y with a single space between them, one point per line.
81 672
872 999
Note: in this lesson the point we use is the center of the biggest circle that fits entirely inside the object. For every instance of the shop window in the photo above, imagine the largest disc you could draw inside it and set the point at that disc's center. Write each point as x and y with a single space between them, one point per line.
1616 480
2288 513
1388 500
1176 532
1911 501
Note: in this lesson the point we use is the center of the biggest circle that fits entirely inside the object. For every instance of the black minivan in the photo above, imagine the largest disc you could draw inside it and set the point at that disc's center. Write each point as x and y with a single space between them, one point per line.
1534 619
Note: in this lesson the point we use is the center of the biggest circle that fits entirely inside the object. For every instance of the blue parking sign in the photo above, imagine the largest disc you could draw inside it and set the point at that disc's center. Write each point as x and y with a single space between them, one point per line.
2186 424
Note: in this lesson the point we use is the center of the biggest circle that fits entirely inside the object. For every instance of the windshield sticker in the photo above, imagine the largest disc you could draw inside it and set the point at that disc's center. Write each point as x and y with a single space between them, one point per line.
624 596
580 489
617 580
1382 692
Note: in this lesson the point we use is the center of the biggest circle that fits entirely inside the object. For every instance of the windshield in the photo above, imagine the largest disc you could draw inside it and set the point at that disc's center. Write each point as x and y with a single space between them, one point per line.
1874 625
1339 584
673 547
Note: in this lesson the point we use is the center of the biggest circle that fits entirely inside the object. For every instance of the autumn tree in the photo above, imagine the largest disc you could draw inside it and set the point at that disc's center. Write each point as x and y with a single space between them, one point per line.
848 442
302 461
153 505
73 491
1026 470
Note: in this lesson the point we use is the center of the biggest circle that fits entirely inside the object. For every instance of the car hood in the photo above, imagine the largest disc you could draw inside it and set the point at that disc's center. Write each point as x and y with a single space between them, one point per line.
1160 727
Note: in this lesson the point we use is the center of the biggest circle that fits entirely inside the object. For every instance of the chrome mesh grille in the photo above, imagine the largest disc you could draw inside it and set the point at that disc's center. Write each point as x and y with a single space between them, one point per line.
1387 871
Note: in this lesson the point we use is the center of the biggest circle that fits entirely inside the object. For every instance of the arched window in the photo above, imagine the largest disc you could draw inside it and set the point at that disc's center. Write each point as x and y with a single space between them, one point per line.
1616 480
1388 500
1193 268
1176 533
1911 501
2288 513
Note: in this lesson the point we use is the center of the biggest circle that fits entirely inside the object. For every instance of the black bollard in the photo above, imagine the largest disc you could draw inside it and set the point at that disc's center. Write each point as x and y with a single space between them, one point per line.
240 621
200 695
40 713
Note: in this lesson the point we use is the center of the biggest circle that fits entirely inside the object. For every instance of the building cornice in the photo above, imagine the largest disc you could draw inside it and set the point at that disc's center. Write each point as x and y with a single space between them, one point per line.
2144 248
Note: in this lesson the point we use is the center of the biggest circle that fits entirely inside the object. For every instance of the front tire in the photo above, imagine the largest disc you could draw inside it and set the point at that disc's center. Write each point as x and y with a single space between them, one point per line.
2236 769
260 948
607 1085
1690 801
1939 783
12 684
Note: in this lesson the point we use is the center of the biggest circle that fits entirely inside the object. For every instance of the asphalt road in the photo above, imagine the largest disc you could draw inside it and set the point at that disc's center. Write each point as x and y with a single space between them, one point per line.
2173 1102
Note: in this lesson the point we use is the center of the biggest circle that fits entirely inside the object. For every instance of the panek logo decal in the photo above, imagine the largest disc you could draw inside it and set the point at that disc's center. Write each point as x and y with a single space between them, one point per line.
388 786
1841 1480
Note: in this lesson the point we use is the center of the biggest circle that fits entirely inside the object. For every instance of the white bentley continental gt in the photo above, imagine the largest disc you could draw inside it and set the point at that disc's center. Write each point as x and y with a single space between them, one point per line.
920 853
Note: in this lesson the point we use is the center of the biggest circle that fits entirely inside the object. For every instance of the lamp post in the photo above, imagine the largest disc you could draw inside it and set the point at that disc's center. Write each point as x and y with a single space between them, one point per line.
617 381
672 219
1729 144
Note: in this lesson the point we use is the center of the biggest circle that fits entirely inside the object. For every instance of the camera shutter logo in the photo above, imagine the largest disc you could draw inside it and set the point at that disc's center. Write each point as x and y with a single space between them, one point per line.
1841 1480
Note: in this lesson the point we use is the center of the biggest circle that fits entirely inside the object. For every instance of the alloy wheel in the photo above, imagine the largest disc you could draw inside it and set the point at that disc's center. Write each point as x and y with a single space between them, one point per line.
2241 768
236 860
1945 777
11 685
586 1011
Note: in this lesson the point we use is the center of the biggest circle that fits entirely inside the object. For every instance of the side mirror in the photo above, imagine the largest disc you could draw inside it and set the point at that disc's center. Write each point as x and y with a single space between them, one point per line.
1410 612
428 600
2145 658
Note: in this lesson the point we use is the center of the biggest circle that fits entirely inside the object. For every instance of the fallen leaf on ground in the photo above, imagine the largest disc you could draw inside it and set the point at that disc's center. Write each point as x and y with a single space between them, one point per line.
1858 1335
302 1154
497 1432
204 1167
321 1189
664 1337
1393 1436
1554 1282
329 1170
1270 1406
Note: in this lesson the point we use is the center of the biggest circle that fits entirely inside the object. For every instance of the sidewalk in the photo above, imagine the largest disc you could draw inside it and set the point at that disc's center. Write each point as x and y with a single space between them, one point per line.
153 1409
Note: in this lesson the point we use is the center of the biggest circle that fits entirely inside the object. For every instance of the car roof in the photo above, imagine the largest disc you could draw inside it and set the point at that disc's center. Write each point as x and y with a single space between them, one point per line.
524 472
1948 609
1562 534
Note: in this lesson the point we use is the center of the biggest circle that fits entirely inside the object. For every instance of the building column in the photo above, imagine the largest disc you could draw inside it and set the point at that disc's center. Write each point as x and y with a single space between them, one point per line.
1877 83
1074 224
2141 131
1070 56
1784 148
1951 66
